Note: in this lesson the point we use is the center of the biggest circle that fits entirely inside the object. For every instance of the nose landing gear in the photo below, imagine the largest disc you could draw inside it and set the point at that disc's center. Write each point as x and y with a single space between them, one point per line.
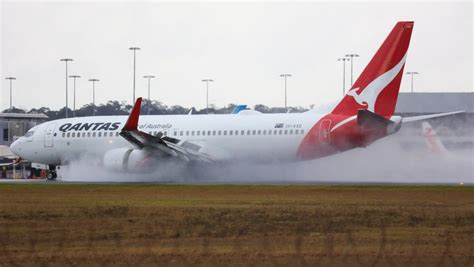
52 175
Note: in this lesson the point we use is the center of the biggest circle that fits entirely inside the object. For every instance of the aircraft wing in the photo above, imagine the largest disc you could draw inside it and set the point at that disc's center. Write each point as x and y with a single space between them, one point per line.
184 150
425 117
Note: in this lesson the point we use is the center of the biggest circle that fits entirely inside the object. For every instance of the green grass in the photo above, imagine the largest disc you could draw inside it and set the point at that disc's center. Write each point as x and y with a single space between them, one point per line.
153 224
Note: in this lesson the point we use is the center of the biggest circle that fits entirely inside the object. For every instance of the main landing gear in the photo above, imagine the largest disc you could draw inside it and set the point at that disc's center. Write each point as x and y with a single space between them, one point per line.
52 175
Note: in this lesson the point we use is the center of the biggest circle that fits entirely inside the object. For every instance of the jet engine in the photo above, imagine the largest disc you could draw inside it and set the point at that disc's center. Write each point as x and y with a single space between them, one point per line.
129 159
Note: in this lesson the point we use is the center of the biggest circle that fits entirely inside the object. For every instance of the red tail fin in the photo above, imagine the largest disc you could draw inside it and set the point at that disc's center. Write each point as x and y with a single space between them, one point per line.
377 87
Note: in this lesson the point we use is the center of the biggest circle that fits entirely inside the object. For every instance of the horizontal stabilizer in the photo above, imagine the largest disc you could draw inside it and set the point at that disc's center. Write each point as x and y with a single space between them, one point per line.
431 116
367 119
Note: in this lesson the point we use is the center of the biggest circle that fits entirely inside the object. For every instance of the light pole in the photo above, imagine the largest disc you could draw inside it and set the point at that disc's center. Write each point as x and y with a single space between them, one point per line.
134 49
74 102
343 59
352 56
66 60
207 81
412 73
11 80
93 94
285 76
149 99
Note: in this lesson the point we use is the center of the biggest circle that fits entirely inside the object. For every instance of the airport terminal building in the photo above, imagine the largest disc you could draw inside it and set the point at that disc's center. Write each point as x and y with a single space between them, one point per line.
14 125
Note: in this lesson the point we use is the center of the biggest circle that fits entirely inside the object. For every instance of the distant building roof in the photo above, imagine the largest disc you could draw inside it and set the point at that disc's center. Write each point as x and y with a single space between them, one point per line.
23 116
435 102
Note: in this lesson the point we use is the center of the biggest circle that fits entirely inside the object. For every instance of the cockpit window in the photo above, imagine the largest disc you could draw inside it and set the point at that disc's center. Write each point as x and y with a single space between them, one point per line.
29 134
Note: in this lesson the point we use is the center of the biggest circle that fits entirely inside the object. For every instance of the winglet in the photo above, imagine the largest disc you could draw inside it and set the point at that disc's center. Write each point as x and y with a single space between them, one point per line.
132 122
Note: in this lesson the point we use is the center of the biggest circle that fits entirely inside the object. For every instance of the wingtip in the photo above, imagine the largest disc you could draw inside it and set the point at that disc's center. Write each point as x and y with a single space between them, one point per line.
132 121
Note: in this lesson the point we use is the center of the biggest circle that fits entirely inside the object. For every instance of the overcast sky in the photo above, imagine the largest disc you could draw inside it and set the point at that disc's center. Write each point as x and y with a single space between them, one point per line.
242 46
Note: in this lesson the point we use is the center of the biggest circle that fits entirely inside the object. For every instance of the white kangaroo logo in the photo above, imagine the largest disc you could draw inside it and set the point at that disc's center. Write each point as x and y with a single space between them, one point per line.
369 94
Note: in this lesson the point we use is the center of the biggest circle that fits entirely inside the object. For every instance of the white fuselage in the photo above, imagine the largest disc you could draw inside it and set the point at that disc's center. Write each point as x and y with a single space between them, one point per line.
245 136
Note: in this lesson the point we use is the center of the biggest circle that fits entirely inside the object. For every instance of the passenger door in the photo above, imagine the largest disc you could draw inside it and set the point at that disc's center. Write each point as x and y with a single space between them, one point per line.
48 135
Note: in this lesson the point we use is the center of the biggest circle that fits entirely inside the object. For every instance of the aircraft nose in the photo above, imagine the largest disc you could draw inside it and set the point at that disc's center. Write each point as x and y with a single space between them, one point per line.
15 147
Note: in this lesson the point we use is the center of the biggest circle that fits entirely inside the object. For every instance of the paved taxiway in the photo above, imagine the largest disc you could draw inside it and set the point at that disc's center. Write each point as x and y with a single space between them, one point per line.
266 182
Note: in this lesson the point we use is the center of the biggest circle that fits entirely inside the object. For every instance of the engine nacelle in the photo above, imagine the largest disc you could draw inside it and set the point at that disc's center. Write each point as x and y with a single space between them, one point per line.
128 159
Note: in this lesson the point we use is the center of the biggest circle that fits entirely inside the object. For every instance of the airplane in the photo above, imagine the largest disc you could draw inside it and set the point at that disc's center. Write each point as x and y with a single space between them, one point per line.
432 141
140 143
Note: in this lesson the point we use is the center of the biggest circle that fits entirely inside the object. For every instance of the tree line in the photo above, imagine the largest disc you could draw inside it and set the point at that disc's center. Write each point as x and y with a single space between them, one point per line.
156 108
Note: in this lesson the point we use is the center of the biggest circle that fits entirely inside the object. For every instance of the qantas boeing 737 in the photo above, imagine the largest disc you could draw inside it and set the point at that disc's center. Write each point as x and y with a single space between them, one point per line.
139 143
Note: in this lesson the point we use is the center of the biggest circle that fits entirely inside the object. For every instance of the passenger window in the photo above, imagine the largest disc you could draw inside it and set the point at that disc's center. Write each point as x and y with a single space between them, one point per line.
259 132
248 132
242 132
231 132
280 132
208 132
88 134
187 133
264 132
269 132
99 134
297 131
302 131
93 134
286 132
192 133
64 134
254 132
214 132
275 132
225 132
198 132
117 134
291 131
175 133
219 132
83 134
165 133
203 132
181 133
236 132
73 135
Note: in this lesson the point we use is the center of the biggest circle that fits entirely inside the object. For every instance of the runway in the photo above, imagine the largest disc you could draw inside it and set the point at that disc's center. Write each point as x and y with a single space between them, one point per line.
266 182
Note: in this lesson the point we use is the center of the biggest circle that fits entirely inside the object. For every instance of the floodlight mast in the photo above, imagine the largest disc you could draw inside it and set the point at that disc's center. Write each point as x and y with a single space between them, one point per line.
285 75
66 60
412 73
149 99
134 49
343 59
11 79
207 81
74 94
352 56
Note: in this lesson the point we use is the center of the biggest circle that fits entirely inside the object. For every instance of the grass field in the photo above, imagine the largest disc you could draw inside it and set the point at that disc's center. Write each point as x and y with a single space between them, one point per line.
233 225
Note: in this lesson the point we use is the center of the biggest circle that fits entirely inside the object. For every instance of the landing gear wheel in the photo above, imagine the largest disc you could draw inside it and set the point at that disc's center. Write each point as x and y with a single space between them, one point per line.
52 175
